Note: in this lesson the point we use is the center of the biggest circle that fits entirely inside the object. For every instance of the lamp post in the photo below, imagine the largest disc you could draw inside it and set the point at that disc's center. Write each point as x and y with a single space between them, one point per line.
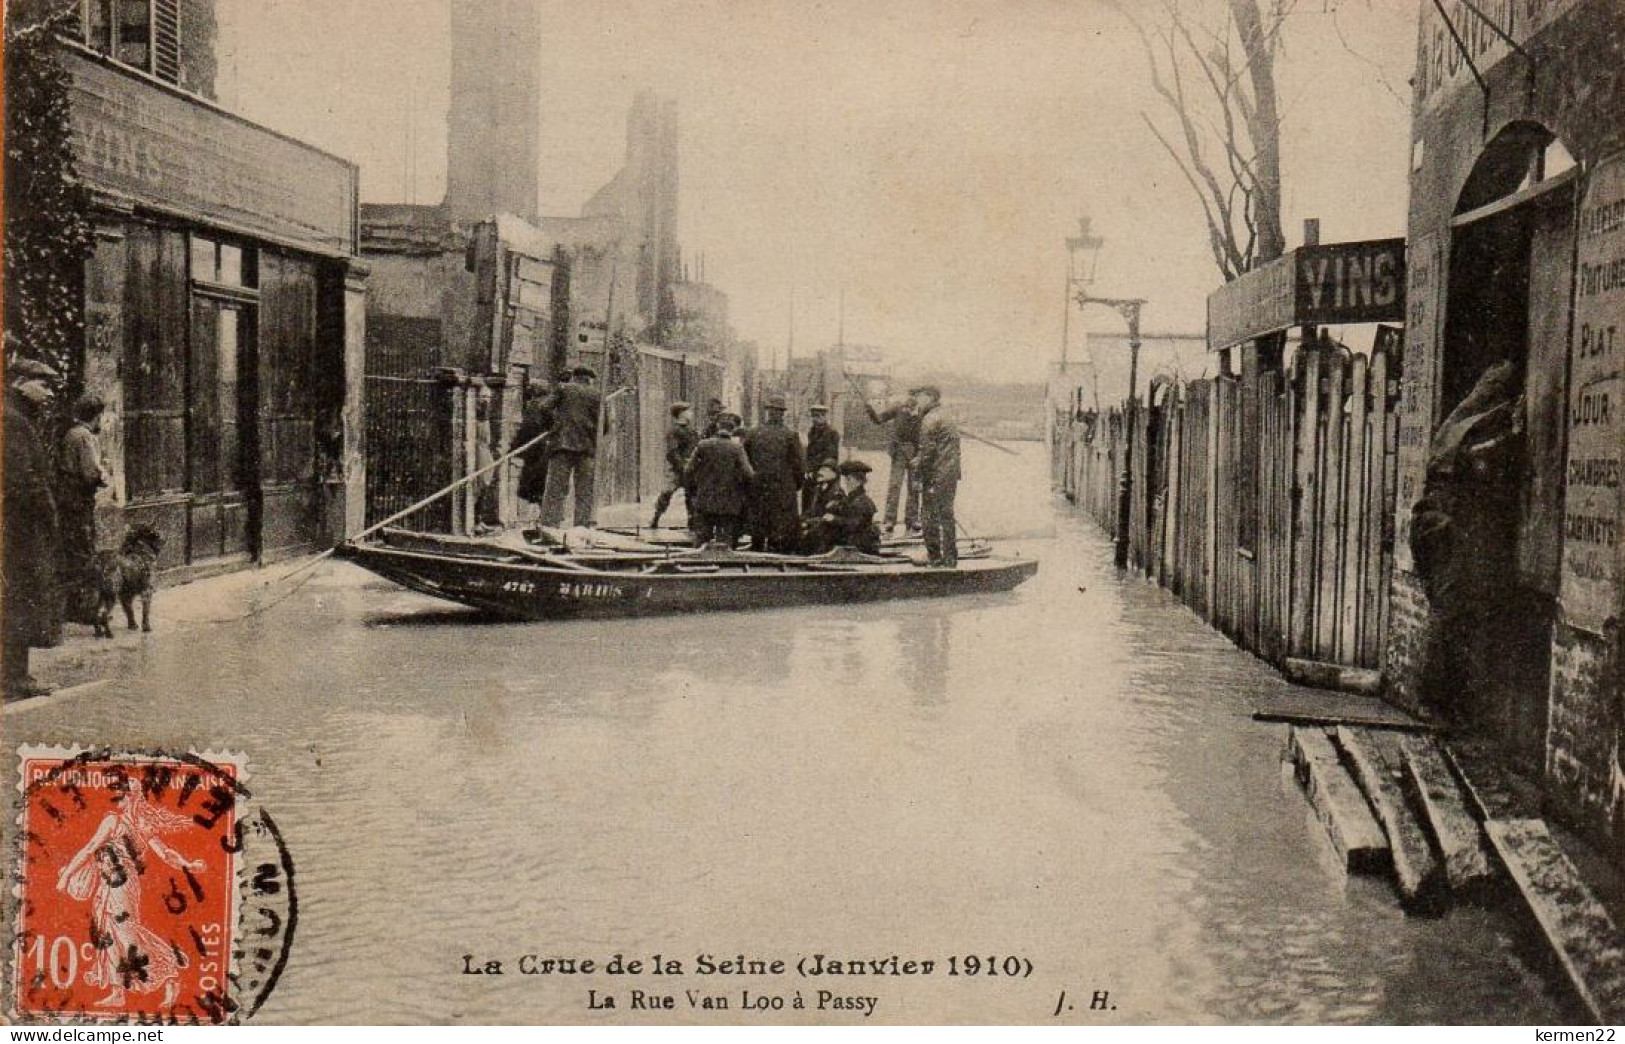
1082 255
1129 309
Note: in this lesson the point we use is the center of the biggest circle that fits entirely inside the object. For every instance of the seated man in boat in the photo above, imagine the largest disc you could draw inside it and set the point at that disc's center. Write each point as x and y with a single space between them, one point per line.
849 519
822 491
718 478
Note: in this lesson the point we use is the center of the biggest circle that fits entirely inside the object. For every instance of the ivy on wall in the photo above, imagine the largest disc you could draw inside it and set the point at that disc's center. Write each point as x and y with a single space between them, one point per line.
48 236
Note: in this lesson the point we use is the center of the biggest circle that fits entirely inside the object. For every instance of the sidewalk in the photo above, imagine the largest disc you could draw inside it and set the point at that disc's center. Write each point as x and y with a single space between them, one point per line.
85 660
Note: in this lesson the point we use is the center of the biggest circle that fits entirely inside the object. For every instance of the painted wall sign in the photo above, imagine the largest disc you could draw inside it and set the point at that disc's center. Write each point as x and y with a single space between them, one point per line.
1418 386
163 149
1358 282
1441 64
1589 585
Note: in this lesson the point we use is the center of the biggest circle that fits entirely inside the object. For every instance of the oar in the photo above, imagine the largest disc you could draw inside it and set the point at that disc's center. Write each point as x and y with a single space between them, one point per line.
397 516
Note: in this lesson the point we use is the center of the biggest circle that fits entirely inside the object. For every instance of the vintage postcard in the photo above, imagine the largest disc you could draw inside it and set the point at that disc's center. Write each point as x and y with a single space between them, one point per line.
868 512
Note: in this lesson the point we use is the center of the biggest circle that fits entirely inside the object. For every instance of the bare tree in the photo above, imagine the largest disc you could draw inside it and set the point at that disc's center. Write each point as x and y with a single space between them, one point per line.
1212 63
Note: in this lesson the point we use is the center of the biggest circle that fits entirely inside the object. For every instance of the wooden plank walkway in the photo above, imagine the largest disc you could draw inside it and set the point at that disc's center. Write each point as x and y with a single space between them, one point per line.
1460 839
1338 803
1376 760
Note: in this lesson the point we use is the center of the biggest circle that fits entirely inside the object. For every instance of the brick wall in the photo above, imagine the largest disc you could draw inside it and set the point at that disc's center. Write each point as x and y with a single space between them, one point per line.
1583 775
1409 618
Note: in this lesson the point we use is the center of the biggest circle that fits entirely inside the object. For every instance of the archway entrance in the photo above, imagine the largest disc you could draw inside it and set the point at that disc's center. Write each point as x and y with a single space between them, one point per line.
1497 458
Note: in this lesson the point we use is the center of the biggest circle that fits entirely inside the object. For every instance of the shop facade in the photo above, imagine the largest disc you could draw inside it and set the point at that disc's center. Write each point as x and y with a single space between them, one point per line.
225 318
1515 300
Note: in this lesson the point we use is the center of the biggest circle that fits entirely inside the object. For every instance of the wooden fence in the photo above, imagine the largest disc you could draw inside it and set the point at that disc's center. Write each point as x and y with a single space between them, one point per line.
1264 505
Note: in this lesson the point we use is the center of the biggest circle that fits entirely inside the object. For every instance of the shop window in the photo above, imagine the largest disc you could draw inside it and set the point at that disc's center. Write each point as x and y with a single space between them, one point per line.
143 34
223 264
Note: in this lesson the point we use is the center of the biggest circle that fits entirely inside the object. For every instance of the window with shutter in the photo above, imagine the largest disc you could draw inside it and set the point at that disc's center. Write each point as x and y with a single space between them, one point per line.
166 40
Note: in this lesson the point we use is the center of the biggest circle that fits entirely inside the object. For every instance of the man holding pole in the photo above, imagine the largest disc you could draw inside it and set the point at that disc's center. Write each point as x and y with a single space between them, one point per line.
572 458
902 447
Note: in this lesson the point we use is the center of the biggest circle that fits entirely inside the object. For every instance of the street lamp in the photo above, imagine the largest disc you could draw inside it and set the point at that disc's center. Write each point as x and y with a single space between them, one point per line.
1129 309
1082 255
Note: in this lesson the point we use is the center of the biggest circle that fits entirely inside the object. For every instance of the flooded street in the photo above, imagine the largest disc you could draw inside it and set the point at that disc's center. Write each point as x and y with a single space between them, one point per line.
1067 774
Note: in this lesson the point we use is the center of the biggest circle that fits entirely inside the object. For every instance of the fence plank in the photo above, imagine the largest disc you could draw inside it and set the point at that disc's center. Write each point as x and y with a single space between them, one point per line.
1354 513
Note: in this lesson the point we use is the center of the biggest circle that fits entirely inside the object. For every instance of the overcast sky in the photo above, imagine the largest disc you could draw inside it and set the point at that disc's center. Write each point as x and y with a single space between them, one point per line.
928 155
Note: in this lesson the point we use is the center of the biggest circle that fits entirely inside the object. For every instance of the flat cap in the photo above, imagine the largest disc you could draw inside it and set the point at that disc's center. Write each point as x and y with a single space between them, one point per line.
854 467
775 402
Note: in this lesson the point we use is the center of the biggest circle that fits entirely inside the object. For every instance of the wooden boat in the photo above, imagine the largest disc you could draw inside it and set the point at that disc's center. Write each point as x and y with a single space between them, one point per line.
534 584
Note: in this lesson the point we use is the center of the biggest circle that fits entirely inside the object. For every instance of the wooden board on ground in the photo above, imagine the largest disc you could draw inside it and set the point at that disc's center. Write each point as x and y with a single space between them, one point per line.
1587 942
1338 803
1467 865
1330 720
1376 759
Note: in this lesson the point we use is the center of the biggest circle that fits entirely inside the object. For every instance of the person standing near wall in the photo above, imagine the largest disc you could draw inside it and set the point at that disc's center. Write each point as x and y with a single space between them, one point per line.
939 477
535 422
32 543
572 457
80 472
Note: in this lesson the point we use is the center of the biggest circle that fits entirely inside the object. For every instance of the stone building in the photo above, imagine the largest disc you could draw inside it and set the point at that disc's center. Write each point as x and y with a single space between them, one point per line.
223 308
1516 258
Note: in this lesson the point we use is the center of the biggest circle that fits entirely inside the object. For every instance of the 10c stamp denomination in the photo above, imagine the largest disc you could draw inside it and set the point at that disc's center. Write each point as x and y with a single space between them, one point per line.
149 888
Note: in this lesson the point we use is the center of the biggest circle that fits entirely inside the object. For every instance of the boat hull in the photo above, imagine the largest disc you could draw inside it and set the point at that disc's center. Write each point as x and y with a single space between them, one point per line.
533 591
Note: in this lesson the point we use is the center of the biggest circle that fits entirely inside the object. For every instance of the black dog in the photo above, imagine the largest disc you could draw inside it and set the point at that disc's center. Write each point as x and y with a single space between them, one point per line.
126 575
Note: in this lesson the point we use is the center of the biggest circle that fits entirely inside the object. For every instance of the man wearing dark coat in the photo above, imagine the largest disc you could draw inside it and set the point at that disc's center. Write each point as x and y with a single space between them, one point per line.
848 520
718 478
572 457
823 443
775 454
939 477
535 421
32 545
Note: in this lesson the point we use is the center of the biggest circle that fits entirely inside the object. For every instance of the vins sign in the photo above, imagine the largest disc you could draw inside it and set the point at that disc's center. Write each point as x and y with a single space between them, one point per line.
1361 282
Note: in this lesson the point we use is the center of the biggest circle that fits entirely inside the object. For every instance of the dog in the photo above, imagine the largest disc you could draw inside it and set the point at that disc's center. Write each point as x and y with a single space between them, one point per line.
125 575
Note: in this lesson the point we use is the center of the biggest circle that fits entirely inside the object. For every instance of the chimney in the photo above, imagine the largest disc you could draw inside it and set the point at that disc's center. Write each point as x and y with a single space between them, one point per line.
494 120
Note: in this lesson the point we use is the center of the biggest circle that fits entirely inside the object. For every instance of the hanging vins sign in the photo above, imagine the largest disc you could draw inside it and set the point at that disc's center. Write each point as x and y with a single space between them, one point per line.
1361 282
1591 516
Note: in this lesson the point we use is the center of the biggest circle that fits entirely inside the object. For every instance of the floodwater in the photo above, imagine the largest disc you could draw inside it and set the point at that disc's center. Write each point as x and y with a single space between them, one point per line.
1066 774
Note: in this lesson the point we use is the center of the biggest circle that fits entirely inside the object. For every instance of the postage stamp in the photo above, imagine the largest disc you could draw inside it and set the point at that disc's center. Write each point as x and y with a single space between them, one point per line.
149 888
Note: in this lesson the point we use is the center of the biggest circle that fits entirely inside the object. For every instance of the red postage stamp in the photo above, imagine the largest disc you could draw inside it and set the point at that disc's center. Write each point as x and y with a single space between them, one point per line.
132 871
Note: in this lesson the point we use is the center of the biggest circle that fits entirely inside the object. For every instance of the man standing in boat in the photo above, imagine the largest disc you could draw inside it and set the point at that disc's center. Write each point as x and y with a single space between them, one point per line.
775 454
572 457
718 477
681 439
939 476
823 443
903 449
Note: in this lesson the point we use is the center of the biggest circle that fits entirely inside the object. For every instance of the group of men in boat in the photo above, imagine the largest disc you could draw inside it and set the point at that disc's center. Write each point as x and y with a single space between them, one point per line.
789 497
